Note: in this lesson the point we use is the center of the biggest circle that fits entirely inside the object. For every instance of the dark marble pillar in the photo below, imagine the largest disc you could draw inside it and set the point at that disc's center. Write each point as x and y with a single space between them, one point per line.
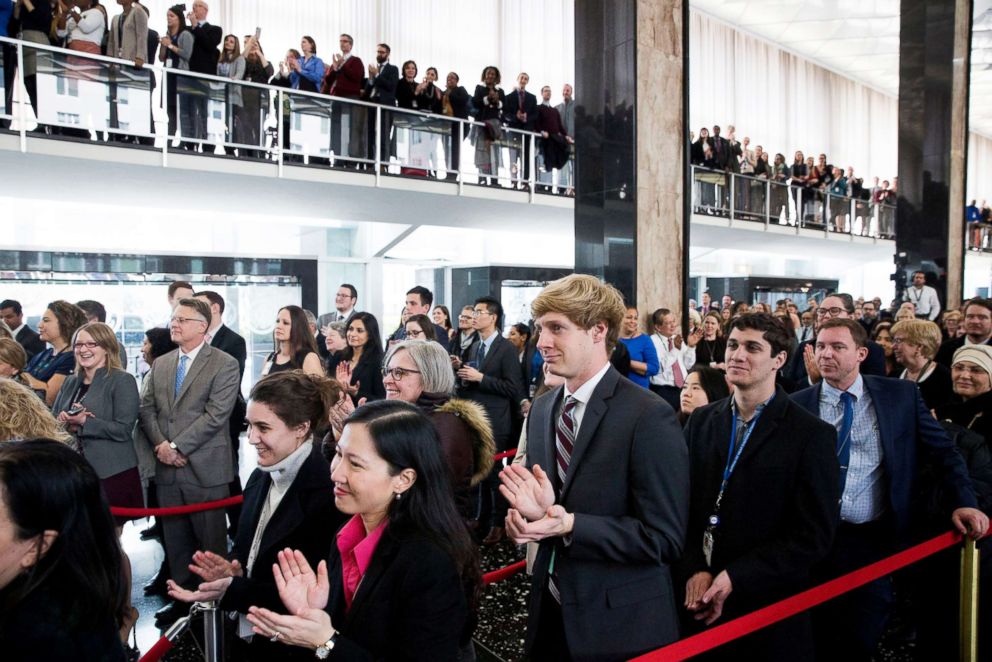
932 122
630 105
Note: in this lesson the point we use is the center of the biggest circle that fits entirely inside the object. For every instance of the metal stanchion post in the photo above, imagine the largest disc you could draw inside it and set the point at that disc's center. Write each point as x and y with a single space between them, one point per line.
969 601
461 136
768 203
22 91
213 631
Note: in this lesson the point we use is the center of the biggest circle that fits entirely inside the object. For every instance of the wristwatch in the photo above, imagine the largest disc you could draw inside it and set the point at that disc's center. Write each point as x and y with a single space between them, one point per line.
324 650
173 446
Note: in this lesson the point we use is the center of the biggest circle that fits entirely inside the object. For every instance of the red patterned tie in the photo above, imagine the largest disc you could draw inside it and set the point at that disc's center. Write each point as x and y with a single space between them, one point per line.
676 368
565 434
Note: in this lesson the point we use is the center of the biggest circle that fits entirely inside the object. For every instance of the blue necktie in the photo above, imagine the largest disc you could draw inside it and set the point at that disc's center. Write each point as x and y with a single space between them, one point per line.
180 374
844 437
482 352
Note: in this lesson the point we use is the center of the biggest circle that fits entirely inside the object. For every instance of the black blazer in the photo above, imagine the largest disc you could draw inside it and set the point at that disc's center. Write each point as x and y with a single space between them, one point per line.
795 371
501 389
410 604
778 515
385 84
231 342
206 39
512 104
29 340
459 100
483 108
628 486
945 355
910 436
306 519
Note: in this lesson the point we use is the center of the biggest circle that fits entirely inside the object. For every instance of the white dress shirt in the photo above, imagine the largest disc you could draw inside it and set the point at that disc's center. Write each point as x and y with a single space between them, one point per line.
685 356
925 299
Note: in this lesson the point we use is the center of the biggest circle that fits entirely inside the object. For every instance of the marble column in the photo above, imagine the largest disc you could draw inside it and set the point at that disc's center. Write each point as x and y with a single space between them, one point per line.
934 49
631 101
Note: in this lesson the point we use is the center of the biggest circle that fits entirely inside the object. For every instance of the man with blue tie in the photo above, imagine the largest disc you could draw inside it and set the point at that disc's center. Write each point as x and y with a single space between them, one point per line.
185 411
885 434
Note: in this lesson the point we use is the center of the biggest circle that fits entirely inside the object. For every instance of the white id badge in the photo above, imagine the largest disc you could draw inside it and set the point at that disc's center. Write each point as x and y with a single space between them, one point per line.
708 547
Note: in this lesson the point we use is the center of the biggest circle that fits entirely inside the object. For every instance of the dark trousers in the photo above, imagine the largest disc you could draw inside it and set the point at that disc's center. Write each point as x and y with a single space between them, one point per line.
184 534
384 128
9 69
550 644
850 626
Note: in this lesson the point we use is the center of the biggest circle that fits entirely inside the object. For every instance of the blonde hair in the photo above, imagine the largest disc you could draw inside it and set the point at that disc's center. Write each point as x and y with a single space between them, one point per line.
104 336
922 333
585 301
13 354
5 331
23 415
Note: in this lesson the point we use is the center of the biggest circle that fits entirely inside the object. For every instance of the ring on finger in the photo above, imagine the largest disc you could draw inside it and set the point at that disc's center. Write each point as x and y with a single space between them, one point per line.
275 637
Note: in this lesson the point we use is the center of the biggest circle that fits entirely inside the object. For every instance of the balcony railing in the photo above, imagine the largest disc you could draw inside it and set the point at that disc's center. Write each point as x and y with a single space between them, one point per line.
760 200
75 94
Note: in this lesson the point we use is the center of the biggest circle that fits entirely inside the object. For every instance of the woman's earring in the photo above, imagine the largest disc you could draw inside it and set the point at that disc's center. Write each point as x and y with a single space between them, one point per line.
398 495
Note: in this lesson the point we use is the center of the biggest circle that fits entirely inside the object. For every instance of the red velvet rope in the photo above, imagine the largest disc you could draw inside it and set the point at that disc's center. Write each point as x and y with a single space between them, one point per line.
809 598
504 454
503 573
155 653
177 510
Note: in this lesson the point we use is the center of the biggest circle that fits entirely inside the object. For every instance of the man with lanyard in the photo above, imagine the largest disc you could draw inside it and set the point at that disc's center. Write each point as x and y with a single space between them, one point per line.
923 297
765 487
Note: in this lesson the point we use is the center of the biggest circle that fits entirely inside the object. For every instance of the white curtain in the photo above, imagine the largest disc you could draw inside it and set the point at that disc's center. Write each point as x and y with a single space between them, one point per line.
464 36
979 186
785 103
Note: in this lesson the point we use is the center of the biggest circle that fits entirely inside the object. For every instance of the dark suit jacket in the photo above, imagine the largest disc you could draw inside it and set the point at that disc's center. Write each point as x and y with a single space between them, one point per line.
910 436
206 39
512 105
501 388
29 340
384 84
368 374
874 363
628 487
459 100
410 604
945 355
778 515
230 341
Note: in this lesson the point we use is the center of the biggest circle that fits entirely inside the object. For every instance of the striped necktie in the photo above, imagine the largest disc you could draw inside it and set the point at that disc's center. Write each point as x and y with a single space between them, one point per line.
565 437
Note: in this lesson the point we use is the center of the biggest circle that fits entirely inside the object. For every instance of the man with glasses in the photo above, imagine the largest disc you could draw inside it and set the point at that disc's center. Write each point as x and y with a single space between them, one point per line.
491 376
466 334
344 306
802 370
187 402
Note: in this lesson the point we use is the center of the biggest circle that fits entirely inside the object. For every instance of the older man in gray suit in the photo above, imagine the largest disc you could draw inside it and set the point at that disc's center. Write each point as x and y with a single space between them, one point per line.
185 409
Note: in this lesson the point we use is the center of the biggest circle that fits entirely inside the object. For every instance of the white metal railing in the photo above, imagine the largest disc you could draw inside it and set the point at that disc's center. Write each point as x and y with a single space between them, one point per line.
758 199
74 93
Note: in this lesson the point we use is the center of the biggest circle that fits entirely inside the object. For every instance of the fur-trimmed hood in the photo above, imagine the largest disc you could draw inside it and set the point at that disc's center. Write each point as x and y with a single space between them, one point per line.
484 446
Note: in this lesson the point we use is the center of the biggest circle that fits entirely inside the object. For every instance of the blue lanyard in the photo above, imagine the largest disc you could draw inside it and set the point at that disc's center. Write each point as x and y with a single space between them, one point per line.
732 462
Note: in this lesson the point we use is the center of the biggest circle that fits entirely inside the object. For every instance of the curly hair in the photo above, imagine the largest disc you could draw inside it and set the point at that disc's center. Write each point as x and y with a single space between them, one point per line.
70 317
24 416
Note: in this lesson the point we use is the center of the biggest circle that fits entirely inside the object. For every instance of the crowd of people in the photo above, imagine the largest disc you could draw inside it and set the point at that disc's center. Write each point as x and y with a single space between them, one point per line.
809 182
663 483
191 42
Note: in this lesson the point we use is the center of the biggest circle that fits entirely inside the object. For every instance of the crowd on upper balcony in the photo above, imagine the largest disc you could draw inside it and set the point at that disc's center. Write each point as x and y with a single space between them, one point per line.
193 43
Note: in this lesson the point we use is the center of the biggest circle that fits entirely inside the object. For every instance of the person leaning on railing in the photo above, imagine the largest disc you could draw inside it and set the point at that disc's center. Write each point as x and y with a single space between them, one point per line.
176 47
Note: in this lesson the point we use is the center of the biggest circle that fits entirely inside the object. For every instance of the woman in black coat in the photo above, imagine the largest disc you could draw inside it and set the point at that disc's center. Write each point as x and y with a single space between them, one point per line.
359 366
403 578
288 504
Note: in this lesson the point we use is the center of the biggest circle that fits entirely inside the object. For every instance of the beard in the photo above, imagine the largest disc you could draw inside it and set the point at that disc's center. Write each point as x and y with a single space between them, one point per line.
381 58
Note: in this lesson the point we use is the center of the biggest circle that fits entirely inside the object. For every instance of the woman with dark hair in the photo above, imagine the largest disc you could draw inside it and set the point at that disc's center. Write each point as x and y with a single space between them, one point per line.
255 99
157 342
61 580
176 47
420 327
358 366
413 95
47 370
488 101
442 317
703 386
403 580
288 504
231 64
296 348
882 334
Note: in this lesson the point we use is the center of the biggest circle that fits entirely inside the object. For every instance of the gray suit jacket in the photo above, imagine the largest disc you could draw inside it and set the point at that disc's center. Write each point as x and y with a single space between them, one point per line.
196 420
105 439
628 486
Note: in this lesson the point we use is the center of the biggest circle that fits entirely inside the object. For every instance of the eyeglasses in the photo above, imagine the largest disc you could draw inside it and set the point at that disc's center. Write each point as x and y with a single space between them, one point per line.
183 320
87 345
464 318
898 341
397 373
833 312
414 333
477 313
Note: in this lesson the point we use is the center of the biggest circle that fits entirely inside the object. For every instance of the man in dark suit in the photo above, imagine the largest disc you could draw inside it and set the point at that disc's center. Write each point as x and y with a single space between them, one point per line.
977 330
185 413
380 88
885 434
520 112
764 496
491 376
203 60
456 98
13 316
418 302
229 341
610 511
802 369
